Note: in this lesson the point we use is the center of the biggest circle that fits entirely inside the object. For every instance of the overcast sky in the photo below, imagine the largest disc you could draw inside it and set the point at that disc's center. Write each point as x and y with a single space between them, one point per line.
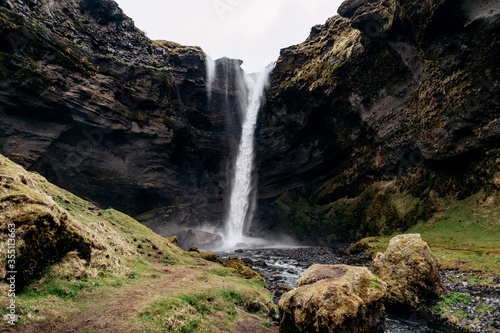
251 30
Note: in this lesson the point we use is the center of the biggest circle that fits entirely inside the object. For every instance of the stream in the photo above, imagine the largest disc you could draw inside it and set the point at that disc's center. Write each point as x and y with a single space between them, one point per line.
281 268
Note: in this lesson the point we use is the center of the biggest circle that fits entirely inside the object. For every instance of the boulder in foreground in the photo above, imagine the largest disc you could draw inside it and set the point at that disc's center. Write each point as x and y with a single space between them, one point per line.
411 272
334 298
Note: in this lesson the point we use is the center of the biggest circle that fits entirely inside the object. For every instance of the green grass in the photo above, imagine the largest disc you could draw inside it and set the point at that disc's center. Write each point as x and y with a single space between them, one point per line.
447 302
193 312
463 235
171 314
483 309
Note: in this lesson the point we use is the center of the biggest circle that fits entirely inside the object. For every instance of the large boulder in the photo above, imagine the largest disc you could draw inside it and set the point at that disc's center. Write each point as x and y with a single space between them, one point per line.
201 239
336 298
411 272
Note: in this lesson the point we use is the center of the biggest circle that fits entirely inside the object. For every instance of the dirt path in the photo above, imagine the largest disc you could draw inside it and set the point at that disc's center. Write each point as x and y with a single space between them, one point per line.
108 311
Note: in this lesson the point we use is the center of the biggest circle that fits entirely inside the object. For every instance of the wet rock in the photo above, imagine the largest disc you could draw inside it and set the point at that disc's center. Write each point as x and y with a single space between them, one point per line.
260 263
333 298
411 272
201 239
210 256
248 262
239 265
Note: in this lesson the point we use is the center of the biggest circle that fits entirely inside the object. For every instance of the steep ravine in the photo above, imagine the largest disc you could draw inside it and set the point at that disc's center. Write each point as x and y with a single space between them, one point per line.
382 113
87 100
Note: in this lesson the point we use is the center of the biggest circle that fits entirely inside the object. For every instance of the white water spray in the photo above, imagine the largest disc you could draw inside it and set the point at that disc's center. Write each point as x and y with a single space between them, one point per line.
241 202
211 73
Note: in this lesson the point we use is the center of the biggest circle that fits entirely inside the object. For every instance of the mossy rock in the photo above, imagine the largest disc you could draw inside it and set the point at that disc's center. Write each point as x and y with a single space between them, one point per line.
174 239
361 246
210 256
334 298
411 272
239 265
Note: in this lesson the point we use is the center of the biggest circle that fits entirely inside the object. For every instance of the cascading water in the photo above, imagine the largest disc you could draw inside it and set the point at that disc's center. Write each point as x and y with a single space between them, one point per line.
240 210
211 74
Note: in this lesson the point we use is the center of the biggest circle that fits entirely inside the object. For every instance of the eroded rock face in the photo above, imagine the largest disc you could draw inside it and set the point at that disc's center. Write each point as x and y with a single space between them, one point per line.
334 298
392 96
98 108
411 272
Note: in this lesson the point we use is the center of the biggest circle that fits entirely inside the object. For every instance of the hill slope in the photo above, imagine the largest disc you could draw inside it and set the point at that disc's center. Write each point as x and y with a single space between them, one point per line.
82 268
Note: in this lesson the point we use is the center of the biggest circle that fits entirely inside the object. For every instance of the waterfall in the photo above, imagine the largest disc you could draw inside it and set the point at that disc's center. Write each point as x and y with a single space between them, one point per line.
211 69
242 202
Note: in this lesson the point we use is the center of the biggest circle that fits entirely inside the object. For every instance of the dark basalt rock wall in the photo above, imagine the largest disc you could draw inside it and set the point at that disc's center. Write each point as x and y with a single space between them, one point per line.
87 100
377 115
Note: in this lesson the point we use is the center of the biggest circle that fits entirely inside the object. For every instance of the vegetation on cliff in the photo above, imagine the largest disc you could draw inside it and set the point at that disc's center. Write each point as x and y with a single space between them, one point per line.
384 118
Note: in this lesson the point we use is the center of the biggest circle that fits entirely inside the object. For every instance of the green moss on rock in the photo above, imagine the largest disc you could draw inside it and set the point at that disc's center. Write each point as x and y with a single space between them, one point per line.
334 298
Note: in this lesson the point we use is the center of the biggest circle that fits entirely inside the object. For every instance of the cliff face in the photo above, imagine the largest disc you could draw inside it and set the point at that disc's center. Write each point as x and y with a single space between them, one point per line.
87 100
382 112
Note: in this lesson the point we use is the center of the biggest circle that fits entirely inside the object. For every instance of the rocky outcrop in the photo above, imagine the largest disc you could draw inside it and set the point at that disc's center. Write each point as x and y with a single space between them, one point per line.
87 100
200 239
411 272
379 113
334 298
210 256
361 246
239 265
40 232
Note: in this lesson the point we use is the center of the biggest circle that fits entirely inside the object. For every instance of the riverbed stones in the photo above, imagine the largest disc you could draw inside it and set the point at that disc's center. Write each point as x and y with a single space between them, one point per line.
411 272
334 298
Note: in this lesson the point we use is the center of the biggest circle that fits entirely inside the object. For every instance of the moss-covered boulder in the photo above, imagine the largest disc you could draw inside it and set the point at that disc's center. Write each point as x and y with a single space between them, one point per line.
361 246
334 298
411 272
210 256
239 265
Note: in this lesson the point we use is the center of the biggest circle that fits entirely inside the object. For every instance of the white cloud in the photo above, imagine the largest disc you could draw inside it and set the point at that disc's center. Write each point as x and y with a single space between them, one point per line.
251 30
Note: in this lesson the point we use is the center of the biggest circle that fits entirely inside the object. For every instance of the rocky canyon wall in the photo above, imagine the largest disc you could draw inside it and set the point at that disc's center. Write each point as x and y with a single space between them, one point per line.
382 113
87 100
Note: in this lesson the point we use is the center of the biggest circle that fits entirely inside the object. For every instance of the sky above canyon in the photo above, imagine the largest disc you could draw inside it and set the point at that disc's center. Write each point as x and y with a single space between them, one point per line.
251 30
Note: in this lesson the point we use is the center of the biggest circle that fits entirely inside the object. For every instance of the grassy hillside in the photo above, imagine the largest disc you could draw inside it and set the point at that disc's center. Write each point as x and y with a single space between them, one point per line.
84 269
464 234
